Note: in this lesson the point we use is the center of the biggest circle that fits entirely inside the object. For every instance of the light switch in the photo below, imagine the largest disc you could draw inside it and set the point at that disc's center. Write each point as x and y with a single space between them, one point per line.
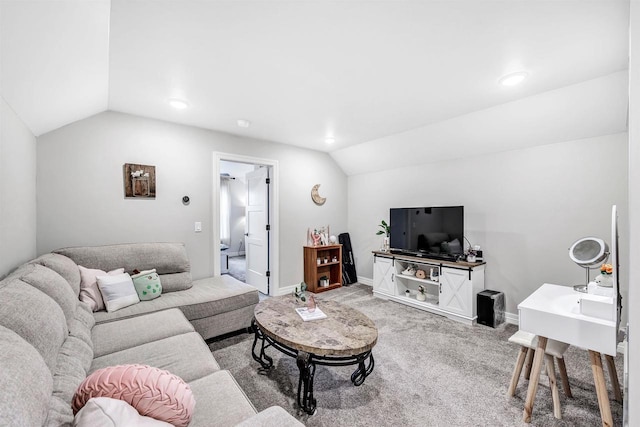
198 227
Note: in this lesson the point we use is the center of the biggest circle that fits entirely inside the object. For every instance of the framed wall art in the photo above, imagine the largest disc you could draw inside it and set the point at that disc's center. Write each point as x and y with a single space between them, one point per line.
139 181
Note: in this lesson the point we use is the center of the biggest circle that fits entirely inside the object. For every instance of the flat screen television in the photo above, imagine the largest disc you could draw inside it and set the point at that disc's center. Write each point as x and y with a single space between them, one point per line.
436 232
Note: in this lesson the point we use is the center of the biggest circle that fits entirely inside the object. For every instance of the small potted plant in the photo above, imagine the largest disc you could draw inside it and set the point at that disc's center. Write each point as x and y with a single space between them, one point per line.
471 255
422 293
605 278
386 230
324 281
301 295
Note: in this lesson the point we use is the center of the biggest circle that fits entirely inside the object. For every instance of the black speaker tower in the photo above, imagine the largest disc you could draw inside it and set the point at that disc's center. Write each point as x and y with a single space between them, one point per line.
349 275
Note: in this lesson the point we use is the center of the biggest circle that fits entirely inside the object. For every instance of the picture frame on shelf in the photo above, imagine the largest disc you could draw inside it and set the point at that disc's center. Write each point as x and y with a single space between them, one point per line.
318 236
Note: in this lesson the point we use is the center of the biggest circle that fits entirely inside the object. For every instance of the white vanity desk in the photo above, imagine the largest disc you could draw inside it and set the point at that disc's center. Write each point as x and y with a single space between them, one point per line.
585 320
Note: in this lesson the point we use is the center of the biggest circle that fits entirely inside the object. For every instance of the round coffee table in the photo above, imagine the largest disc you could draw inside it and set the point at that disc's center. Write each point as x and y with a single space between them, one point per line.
345 337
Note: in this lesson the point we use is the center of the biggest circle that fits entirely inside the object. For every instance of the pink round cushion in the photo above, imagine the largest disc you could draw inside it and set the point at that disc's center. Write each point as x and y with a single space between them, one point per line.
153 392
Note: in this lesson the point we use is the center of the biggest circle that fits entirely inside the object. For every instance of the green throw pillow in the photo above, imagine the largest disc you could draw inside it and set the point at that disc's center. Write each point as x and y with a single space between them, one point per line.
147 284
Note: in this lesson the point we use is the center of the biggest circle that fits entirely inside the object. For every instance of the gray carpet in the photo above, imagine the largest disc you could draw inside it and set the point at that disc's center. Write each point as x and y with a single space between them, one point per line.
238 267
429 371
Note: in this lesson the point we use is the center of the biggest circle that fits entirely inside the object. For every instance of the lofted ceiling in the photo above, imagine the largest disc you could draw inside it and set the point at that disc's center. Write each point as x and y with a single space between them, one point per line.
299 71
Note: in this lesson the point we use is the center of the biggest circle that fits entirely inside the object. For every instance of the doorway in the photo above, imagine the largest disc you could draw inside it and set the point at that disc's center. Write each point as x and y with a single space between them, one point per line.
245 220
233 203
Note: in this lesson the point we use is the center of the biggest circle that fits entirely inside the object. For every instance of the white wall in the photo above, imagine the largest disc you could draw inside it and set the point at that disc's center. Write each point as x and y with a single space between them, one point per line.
17 191
634 218
524 207
81 201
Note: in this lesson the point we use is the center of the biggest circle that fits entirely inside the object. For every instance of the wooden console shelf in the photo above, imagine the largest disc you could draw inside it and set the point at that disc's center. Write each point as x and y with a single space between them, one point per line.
326 267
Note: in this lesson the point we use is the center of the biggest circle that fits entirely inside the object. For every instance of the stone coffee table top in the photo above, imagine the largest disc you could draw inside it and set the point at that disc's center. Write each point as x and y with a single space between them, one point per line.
345 331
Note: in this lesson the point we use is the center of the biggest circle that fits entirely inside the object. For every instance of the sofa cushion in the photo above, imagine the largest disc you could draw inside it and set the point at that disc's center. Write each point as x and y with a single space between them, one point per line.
186 356
25 382
221 401
64 266
71 368
34 316
111 337
153 392
169 259
56 287
79 331
206 298
224 323
220 295
107 412
172 282
59 413
82 324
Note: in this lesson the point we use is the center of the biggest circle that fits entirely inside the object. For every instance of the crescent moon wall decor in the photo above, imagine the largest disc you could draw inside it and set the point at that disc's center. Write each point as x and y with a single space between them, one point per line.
315 196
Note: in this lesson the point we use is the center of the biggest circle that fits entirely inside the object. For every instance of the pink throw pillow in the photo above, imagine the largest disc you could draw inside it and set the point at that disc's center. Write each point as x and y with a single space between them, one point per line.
89 291
154 392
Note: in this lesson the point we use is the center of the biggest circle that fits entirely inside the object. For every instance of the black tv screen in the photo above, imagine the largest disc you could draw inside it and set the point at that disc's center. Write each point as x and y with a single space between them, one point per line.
436 231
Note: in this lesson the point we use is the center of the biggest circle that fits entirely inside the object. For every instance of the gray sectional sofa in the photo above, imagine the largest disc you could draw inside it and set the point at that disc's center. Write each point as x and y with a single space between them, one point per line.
50 341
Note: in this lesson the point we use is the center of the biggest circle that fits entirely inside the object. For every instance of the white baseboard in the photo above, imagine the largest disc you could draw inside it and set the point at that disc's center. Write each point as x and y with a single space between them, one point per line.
286 290
512 318
365 281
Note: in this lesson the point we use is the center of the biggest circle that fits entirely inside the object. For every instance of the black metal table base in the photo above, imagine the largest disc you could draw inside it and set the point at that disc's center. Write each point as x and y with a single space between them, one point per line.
307 365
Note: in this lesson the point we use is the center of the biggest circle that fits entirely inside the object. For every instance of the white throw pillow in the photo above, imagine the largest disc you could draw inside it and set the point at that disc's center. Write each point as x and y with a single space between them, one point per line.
108 412
89 292
117 291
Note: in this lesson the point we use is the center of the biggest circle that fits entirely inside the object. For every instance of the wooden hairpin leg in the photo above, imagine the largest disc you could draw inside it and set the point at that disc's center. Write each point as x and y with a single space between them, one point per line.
533 381
553 385
565 379
527 368
516 372
611 364
601 388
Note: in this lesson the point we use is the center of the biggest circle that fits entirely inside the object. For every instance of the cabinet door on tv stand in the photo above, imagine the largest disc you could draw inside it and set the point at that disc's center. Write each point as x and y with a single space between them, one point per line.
455 291
383 275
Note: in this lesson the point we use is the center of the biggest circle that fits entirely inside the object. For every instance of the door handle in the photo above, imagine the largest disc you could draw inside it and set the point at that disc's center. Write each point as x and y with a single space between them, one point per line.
246 234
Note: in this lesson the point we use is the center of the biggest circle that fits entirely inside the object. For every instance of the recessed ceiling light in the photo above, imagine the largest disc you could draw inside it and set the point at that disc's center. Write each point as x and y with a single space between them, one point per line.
244 123
178 103
513 78
329 140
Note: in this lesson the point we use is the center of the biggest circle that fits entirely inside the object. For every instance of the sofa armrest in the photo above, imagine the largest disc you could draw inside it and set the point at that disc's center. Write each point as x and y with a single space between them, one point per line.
272 416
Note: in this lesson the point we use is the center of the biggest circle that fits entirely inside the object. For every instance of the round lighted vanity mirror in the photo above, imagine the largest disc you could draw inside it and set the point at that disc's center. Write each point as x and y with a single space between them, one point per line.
589 252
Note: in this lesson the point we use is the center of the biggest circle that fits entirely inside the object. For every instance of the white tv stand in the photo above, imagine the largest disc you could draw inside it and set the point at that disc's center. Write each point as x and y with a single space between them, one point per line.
453 295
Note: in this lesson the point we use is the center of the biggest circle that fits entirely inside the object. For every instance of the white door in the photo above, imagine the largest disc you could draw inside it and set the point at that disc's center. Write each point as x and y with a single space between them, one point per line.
383 275
455 288
256 235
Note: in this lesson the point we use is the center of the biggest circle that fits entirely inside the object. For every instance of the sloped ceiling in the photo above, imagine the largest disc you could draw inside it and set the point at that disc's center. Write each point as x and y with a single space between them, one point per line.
55 60
360 71
592 108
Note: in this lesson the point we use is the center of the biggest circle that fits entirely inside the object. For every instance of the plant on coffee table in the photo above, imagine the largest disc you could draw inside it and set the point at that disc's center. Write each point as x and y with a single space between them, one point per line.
302 294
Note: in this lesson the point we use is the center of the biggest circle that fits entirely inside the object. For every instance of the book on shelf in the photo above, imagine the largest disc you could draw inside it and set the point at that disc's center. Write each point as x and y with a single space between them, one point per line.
307 315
